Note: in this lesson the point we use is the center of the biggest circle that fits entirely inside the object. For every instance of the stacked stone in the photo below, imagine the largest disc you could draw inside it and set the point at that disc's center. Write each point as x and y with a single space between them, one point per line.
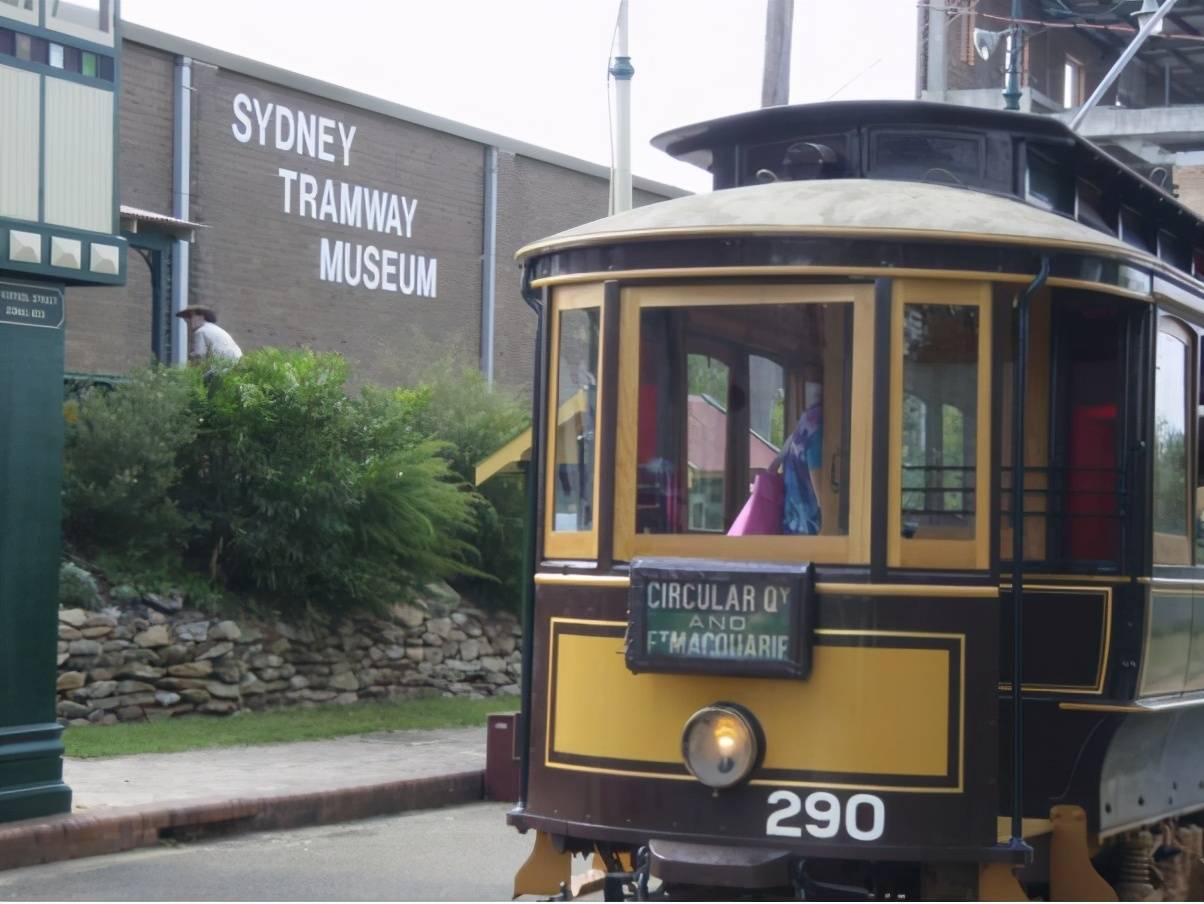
135 662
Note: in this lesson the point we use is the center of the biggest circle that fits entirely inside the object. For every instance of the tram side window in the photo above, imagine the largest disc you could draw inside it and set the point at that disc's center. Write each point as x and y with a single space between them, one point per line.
1170 509
940 421
576 398
737 402
1074 493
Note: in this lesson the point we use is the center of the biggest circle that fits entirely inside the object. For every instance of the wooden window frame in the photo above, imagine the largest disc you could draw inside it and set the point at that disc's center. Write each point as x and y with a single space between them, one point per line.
1077 92
919 552
1182 331
851 548
572 544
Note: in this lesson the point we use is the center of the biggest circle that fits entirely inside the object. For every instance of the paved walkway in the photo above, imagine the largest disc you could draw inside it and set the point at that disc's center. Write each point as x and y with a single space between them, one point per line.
273 769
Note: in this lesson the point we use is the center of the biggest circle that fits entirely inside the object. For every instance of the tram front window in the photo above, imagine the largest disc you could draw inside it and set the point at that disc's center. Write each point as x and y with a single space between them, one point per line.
744 419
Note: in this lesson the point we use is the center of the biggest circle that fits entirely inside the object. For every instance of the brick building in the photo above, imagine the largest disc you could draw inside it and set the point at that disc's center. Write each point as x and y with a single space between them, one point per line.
310 215
1152 118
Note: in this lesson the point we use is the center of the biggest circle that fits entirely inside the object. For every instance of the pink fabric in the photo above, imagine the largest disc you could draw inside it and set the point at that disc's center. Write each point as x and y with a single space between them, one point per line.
762 514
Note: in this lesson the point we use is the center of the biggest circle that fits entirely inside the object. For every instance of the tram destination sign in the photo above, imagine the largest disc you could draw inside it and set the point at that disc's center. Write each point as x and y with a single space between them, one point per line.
24 304
713 617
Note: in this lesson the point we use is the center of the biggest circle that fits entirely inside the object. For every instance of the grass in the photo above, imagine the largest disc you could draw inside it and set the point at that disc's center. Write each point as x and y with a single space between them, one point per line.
279 726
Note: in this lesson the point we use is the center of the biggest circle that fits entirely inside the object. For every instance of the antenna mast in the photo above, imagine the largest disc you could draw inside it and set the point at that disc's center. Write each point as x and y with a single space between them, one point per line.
621 71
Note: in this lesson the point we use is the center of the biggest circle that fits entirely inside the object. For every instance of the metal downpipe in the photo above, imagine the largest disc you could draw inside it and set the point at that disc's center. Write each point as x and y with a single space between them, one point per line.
1019 388
181 174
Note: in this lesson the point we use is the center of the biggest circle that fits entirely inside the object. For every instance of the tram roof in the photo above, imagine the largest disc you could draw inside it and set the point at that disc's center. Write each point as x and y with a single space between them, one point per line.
850 207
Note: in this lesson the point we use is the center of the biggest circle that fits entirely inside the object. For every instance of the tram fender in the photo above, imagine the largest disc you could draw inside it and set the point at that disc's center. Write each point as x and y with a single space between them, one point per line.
687 863
1151 769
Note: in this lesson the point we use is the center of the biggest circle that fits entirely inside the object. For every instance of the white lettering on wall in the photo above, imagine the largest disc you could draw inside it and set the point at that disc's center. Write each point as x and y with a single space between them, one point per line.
353 264
343 203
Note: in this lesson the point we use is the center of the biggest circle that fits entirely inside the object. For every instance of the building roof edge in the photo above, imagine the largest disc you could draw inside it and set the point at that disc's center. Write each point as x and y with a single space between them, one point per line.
174 44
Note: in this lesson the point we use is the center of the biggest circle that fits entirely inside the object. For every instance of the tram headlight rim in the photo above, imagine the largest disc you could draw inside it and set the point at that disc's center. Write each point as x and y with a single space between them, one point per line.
749 752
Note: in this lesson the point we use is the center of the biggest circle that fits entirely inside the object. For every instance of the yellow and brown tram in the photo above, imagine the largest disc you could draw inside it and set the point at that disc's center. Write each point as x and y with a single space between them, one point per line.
771 630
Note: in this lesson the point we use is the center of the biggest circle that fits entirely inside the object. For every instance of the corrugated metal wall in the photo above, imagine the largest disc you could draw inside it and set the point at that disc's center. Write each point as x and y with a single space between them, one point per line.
79 156
18 143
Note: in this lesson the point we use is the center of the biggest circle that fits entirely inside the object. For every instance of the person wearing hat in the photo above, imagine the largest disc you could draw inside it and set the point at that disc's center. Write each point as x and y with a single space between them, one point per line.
208 339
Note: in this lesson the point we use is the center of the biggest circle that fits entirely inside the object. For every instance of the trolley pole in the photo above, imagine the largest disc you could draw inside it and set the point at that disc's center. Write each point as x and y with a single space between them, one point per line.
621 71
1150 26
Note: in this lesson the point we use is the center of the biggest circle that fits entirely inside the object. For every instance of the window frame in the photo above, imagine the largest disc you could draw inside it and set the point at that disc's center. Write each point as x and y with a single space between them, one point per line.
920 552
19 14
63 25
572 544
851 548
1182 331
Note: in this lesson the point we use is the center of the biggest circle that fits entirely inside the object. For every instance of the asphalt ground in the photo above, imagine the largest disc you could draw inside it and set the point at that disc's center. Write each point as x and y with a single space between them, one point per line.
464 853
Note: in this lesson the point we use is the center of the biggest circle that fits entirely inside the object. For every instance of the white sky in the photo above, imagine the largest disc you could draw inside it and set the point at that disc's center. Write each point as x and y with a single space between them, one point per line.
536 69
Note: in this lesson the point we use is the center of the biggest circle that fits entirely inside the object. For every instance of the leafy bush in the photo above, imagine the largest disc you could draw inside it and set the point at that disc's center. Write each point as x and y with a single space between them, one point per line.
474 420
77 588
313 498
122 461
265 477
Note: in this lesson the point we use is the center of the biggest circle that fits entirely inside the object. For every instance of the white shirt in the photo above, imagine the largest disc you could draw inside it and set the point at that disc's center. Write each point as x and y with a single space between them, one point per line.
211 341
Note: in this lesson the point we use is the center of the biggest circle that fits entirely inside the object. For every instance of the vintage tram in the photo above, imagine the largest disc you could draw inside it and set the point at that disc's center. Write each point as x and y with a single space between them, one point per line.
772 621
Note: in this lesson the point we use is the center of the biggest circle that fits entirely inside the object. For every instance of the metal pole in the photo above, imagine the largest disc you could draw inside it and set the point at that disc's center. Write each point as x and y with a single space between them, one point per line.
775 80
622 71
489 264
1101 89
1019 388
181 206
1011 84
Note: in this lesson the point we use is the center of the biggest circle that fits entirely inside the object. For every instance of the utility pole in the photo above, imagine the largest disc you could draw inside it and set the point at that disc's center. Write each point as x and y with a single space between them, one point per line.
621 71
775 84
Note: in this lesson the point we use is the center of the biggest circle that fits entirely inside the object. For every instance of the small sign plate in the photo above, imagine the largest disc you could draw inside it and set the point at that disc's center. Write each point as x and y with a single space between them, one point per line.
712 617
25 304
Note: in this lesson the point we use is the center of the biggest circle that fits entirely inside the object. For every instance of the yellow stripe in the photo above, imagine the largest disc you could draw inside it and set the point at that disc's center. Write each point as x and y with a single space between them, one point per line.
582 580
898 692
867 272
823 587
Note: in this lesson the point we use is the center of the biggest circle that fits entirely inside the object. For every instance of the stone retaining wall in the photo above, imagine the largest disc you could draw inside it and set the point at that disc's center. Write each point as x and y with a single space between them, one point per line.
143 661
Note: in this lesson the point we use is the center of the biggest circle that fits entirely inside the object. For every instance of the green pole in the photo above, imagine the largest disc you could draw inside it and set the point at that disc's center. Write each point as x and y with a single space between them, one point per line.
31 450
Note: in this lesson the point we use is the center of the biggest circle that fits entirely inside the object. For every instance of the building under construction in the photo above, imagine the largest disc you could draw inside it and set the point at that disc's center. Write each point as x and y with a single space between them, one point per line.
1151 118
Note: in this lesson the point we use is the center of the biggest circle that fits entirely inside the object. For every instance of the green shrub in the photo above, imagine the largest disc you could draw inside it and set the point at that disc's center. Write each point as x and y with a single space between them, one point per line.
312 498
77 588
121 463
474 420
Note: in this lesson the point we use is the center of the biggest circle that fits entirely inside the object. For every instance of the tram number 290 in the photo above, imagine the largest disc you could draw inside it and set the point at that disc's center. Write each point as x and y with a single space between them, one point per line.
863 816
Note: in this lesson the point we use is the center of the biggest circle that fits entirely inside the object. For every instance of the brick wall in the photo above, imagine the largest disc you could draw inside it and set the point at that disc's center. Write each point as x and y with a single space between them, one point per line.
535 200
145 127
108 328
259 266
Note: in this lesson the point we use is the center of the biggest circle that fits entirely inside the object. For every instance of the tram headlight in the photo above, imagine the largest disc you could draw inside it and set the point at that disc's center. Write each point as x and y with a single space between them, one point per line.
721 745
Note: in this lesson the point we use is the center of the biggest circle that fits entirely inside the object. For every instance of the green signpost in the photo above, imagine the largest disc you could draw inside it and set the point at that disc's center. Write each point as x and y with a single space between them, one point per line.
31 444
59 226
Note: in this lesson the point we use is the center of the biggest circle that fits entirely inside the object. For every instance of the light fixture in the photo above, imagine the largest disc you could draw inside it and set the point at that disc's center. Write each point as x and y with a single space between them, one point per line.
721 745
985 41
1148 8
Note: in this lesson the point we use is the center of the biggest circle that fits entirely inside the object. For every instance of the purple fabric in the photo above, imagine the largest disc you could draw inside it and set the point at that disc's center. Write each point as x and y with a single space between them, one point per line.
762 514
